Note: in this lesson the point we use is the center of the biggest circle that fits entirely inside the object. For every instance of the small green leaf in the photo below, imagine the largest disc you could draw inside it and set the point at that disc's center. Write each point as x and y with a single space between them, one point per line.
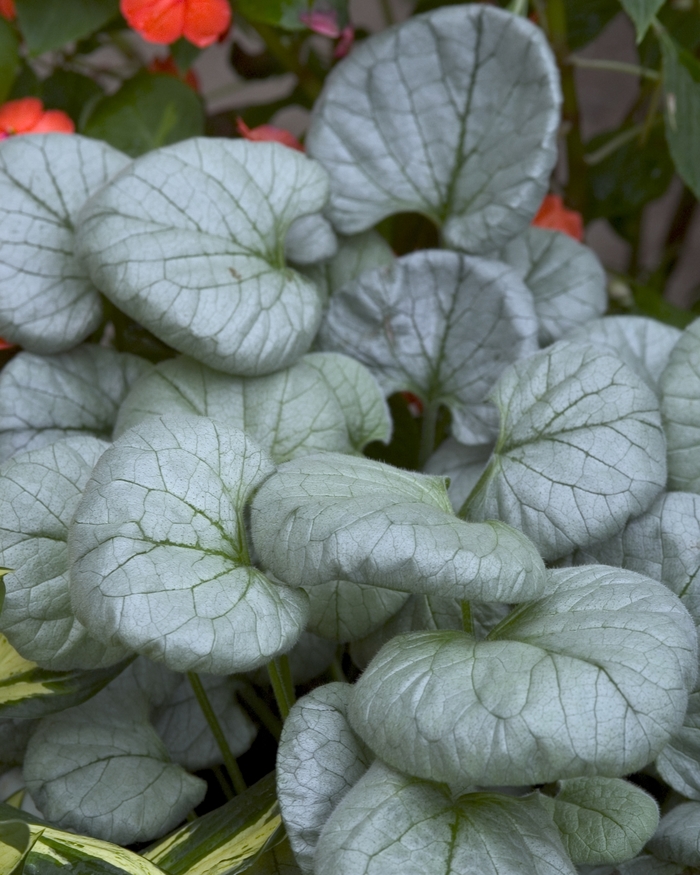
285 13
71 92
681 78
602 820
225 841
148 111
55 852
101 768
184 53
27 691
46 26
642 12
9 58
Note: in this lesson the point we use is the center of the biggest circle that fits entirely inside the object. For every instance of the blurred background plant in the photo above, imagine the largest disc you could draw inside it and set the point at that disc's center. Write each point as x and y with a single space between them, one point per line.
144 73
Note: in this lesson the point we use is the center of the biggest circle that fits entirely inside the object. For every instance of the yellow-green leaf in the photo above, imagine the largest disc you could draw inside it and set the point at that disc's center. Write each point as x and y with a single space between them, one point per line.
28 691
15 840
232 839
49 851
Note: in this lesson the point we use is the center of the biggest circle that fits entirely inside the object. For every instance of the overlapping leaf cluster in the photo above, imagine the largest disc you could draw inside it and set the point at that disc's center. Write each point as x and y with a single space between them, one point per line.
213 512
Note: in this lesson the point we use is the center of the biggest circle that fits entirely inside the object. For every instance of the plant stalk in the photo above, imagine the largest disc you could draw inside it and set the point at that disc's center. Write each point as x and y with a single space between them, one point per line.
282 686
427 433
234 772
614 67
260 709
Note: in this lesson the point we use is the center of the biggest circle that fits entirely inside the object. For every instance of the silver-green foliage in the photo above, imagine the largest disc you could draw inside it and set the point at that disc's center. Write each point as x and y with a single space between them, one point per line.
159 554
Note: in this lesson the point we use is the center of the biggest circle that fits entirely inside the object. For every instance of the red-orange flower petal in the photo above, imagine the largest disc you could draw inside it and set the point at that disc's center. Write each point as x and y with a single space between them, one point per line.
54 121
554 215
5 344
20 116
157 21
268 134
206 21
7 9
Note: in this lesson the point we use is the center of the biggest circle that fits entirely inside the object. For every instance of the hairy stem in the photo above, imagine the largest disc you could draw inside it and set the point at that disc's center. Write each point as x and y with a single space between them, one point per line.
213 721
282 686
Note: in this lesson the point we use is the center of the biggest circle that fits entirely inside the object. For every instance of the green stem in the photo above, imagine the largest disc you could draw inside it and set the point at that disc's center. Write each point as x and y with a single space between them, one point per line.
229 759
192 817
386 12
467 618
282 686
427 433
577 187
223 782
260 709
614 67
337 672
518 7
615 143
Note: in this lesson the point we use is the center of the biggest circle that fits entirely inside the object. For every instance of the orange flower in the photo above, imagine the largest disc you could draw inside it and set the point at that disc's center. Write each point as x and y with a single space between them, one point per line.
268 133
28 116
169 67
554 215
201 22
7 9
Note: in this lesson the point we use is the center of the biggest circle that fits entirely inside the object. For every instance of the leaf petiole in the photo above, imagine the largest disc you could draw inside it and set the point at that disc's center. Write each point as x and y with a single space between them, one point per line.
213 721
282 686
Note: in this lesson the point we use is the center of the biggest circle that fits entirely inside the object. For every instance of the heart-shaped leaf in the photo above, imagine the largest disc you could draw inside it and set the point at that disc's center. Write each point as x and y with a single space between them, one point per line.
581 449
328 517
47 302
325 401
661 543
319 759
680 405
453 114
677 839
189 242
566 280
45 398
602 820
39 493
644 344
100 768
438 324
679 762
396 825
592 679
159 555
344 611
